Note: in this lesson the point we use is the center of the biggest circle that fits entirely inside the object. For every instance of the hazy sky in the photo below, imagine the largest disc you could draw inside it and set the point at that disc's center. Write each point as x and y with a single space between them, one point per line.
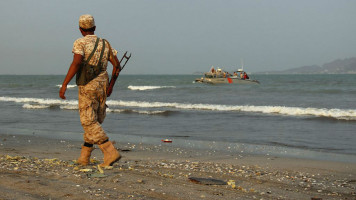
180 36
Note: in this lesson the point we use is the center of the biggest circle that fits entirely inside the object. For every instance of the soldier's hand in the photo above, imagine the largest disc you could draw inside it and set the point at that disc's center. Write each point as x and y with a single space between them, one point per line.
117 71
62 91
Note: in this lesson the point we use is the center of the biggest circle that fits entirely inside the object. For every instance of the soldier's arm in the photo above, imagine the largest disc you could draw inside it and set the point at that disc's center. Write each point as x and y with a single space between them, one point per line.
116 66
74 67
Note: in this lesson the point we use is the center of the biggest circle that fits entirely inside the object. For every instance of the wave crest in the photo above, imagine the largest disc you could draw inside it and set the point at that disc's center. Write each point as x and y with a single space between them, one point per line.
141 88
343 114
38 103
146 112
29 106
68 86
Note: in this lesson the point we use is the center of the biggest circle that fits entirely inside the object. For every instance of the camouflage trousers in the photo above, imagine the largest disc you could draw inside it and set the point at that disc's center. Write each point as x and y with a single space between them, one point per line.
92 110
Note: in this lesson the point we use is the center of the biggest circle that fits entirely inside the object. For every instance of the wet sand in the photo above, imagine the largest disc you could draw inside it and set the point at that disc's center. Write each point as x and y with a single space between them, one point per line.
32 167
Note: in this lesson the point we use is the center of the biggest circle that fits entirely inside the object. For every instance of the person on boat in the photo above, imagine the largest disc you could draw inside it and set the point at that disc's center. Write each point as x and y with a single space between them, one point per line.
235 74
246 76
92 93
212 70
218 73
241 75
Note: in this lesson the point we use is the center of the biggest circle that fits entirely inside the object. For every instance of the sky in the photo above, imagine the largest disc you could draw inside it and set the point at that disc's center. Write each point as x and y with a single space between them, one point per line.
179 36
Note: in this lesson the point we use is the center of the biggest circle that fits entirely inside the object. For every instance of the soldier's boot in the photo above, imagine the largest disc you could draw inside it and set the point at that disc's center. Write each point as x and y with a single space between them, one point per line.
85 153
111 155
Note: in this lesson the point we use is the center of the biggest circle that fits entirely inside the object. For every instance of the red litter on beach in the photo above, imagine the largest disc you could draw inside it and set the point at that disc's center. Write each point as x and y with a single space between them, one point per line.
167 140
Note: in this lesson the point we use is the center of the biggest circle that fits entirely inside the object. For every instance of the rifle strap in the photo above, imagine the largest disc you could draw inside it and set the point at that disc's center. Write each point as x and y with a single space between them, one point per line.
101 53
92 53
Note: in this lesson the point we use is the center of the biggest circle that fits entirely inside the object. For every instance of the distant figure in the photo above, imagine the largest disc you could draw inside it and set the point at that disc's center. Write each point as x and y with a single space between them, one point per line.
246 76
212 70
235 74
241 75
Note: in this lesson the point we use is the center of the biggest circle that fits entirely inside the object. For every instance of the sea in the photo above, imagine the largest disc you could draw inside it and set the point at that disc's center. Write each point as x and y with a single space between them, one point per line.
295 116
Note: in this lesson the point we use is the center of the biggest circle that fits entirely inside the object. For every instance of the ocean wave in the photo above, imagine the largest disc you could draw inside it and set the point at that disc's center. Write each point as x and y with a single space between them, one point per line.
69 107
68 86
141 88
146 112
342 114
38 103
29 106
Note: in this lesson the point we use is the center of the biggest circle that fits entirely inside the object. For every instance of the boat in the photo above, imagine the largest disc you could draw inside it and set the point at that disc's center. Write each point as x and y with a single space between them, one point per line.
220 76
167 140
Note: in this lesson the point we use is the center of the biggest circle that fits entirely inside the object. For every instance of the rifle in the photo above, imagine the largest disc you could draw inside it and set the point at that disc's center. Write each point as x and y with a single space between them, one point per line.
116 74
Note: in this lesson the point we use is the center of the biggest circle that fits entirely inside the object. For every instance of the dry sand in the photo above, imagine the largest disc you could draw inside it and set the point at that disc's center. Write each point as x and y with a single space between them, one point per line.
32 167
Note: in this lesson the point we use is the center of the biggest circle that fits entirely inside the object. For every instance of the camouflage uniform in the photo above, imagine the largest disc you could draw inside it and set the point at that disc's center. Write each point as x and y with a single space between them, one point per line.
92 96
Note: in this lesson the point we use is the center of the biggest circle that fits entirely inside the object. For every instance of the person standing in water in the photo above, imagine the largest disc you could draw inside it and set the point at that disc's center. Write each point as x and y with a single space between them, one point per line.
92 94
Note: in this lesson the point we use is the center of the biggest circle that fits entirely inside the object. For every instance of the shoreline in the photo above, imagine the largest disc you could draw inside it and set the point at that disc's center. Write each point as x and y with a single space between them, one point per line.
34 167
220 148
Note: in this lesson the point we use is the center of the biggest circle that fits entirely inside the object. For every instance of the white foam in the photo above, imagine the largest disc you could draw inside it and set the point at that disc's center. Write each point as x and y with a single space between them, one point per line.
38 103
345 114
146 112
131 87
68 86
29 106
69 107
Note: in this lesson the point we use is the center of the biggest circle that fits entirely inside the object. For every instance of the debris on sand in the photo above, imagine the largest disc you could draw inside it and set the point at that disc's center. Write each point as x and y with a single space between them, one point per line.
207 181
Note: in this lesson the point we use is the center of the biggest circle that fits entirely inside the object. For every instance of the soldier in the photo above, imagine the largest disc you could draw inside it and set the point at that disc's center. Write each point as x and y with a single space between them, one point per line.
92 95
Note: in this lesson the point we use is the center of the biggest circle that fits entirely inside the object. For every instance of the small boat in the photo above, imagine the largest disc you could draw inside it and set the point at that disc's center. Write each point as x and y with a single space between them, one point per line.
167 140
220 76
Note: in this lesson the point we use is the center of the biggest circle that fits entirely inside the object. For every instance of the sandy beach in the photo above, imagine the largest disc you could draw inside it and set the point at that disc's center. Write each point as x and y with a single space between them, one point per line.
39 168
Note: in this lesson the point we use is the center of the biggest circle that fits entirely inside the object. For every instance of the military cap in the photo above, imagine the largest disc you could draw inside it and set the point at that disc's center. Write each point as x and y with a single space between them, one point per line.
86 21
